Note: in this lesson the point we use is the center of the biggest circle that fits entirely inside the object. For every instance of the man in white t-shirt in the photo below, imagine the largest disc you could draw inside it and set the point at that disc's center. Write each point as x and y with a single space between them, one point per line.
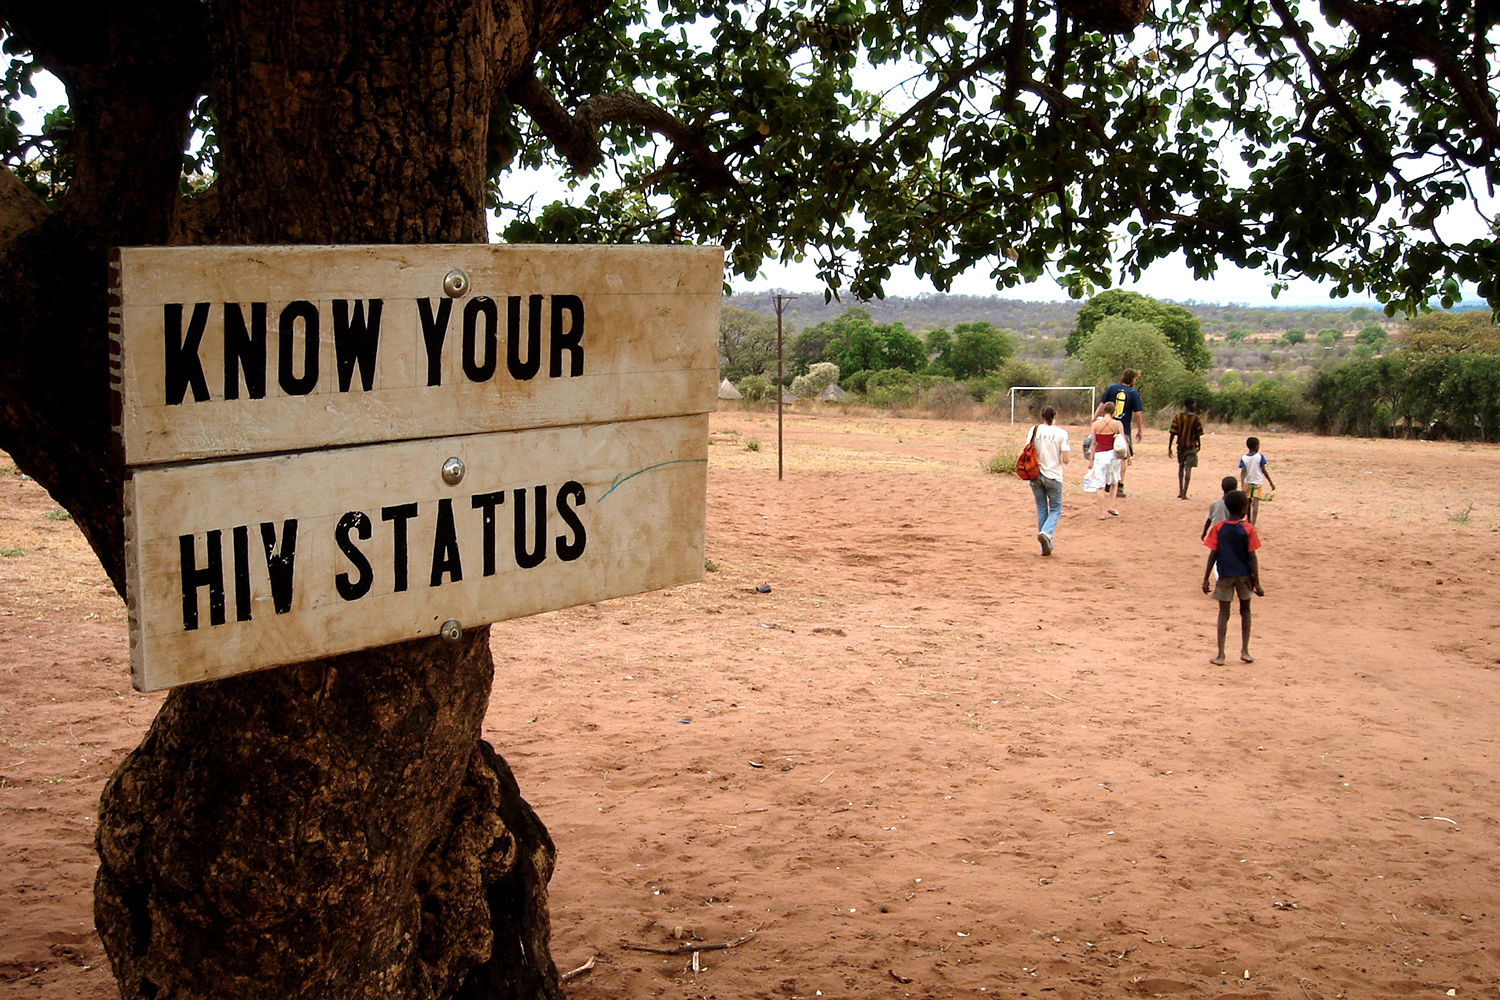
1052 449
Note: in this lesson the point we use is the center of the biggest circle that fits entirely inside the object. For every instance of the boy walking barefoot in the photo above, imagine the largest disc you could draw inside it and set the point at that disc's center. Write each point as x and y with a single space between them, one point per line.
1187 431
1254 476
1232 546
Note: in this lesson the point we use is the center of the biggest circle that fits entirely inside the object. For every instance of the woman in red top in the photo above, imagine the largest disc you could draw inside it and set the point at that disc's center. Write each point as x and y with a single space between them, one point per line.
1105 472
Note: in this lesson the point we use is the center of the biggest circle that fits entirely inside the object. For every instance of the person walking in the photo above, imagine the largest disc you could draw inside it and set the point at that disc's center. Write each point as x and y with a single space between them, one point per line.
1125 403
1255 476
1105 472
1232 546
1052 453
1187 431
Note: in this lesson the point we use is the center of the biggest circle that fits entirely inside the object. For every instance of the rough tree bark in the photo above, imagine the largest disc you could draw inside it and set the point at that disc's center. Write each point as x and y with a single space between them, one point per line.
338 828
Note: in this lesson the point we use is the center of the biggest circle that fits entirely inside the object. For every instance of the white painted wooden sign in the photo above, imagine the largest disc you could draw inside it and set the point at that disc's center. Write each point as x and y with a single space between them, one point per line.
317 467
254 350
247 564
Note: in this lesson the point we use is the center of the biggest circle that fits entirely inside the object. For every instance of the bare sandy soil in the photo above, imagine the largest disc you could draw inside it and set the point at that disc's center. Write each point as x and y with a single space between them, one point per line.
929 762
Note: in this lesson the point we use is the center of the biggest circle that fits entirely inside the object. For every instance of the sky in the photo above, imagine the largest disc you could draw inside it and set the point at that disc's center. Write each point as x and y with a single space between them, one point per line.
1169 280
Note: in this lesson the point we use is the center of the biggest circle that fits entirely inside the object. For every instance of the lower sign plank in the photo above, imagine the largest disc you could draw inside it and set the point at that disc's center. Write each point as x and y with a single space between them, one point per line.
238 565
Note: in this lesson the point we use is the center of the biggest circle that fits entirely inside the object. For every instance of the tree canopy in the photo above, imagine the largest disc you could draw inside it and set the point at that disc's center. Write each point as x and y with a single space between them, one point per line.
971 349
1073 139
854 343
1180 326
1119 343
747 343
1079 140
1468 332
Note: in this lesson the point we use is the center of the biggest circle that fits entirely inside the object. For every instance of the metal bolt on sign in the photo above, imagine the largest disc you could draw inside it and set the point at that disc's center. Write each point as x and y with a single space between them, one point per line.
453 471
455 283
451 630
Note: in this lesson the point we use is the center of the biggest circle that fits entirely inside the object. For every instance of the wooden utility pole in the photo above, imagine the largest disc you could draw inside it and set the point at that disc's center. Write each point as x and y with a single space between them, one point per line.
781 301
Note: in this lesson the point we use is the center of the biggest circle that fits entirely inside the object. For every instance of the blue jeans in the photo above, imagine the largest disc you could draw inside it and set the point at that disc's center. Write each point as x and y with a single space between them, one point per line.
1048 493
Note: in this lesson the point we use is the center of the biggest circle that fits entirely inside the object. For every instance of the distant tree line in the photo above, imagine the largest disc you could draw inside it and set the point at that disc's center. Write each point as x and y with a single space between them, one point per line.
1442 380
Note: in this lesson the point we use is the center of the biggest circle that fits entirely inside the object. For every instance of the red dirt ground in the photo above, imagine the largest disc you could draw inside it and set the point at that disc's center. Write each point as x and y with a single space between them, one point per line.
929 762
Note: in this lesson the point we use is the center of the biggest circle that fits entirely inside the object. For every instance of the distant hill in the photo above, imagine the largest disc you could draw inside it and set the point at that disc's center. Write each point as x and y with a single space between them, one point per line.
924 312
1053 320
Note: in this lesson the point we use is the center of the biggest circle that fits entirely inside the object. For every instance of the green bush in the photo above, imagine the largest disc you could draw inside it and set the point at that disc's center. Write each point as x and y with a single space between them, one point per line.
819 377
947 400
1270 402
891 388
1118 343
985 387
1003 462
756 388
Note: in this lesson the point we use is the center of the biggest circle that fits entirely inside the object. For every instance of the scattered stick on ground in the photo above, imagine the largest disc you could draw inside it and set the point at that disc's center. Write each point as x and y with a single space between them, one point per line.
684 949
585 967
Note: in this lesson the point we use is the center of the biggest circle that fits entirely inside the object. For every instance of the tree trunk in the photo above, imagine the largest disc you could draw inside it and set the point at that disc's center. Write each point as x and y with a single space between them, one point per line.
337 828
334 829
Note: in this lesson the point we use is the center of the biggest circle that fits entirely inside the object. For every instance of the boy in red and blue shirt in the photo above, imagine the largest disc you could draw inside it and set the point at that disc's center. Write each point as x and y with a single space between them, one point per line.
1232 546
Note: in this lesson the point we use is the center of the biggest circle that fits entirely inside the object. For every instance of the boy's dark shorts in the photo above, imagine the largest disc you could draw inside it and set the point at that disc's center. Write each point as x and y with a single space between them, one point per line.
1230 587
1187 458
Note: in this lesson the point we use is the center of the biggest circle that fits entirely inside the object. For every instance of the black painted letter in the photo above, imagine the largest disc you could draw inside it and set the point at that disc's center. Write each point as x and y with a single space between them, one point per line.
241 547
356 339
245 350
286 348
487 502
399 515
524 559
358 522
473 309
445 557
567 550
523 371
434 332
279 563
210 576
572 341
183 366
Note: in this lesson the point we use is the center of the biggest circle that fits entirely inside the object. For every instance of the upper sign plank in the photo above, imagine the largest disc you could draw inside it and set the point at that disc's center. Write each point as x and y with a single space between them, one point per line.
224 351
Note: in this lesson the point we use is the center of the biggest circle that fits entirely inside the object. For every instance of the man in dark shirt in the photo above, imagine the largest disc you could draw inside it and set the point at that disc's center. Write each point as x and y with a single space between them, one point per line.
1187 431
1127 403
1232 546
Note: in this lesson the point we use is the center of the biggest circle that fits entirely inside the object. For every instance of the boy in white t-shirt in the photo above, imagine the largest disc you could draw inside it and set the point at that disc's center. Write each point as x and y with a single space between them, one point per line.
1254 476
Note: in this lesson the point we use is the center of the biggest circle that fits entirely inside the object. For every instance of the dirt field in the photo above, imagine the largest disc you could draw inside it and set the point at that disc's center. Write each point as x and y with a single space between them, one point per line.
929 762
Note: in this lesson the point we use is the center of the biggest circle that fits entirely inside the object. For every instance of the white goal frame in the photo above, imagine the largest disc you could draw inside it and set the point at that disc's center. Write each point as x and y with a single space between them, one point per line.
1049 388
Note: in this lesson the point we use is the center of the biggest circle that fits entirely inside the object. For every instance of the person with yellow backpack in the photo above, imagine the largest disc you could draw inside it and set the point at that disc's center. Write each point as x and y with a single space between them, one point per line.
1127 403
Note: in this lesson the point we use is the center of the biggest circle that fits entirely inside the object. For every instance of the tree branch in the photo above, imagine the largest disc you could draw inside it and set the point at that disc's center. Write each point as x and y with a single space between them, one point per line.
1402 34
576 135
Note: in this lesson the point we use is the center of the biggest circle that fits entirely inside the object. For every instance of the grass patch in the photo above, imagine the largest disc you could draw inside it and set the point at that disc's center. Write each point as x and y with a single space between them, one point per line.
1462 517
12 553
753 444
1003 462
58 514
709 566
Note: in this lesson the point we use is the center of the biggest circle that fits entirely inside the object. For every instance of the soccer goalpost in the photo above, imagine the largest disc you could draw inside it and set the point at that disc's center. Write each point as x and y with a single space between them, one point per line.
1049 388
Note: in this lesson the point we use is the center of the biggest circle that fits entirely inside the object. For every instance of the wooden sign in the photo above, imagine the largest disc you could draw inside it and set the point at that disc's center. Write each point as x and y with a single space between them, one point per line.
254 350
334 448
247 564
